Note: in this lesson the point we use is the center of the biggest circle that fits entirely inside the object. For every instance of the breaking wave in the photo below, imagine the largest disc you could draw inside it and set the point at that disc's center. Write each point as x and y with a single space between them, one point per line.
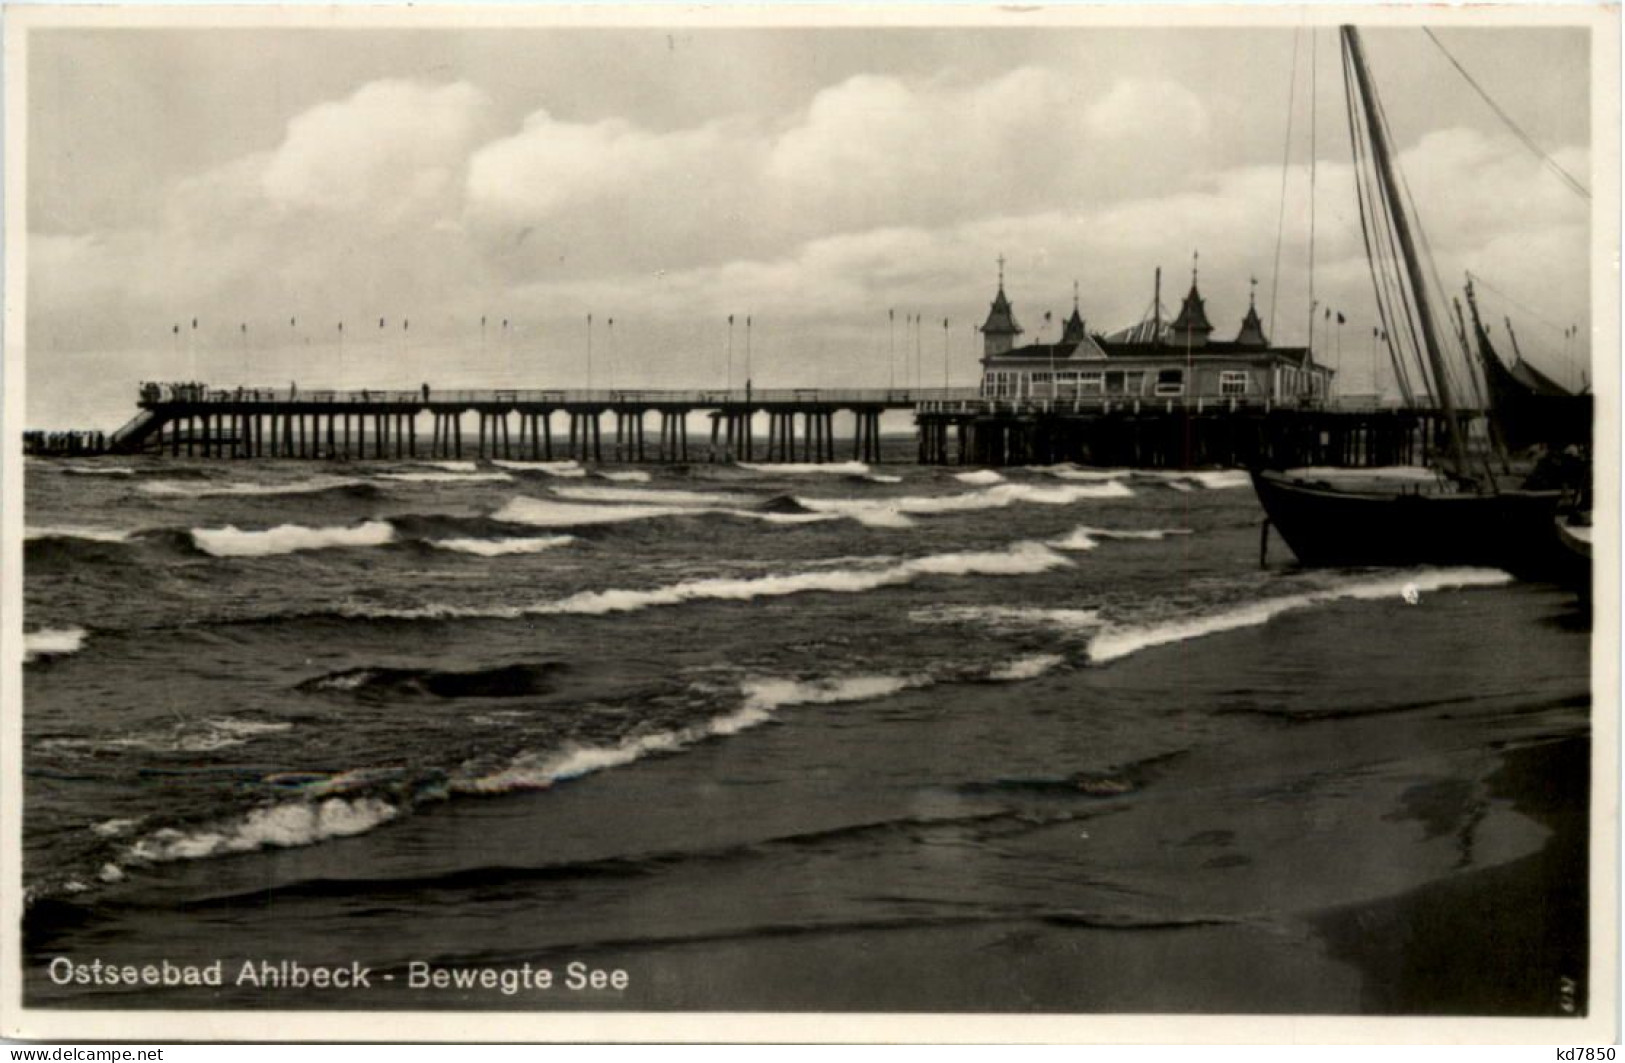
628 476
980 477
567 469
71 531
1209 479
1084 537
53 642
1021 559
282 826
502 547
1068 471
444 477
1116 642
1023 668
653 496
542 513
762 698
895 512
1078 623
231 541
182 489
843 468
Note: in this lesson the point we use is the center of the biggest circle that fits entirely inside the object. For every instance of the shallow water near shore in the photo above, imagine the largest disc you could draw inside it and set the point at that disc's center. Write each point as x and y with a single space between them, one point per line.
863 738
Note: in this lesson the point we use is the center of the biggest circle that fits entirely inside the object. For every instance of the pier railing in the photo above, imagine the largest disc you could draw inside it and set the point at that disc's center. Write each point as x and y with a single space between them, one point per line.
899 398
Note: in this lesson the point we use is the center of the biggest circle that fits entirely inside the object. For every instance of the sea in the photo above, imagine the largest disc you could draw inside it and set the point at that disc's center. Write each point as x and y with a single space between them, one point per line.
759 737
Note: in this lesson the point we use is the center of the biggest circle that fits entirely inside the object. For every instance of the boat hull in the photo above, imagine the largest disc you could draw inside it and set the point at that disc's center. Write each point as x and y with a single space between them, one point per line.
1328 526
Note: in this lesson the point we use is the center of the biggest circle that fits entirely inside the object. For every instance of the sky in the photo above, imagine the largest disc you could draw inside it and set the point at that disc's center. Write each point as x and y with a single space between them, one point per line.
273 182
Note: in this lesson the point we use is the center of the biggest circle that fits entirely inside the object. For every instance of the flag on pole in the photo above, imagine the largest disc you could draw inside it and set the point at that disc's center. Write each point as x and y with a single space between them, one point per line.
730 319
380 322
177 330
194 322
1341 320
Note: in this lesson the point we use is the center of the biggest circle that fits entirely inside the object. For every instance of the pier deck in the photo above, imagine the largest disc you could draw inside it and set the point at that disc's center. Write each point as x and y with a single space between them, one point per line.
953 425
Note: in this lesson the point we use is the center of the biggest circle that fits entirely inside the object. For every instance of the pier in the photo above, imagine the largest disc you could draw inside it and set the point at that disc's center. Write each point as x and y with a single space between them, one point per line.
953 426
534 425
1154 433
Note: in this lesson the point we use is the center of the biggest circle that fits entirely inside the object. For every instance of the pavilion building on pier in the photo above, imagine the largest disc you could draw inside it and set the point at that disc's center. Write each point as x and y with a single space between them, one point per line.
1153 360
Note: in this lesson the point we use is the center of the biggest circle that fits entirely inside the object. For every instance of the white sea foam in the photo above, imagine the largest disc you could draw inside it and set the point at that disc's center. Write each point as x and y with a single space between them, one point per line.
1020 559
1029 667
283 826
1069 471
74 531
1074 623
444 477
1186 479
842 468
1222 479
566 469
52 642
185 489
881 478
895 512
652 496
113 828
502 547
204 736
450 466
626 476
231 541
544 513
980 476
761 699
1084 537
1115 642
1077 539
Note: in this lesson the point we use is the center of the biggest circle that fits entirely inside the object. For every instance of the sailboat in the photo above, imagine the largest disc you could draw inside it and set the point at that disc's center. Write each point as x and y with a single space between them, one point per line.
1466 516
1529 407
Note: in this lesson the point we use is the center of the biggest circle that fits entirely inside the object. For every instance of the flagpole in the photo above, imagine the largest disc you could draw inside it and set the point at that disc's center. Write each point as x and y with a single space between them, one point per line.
747 354
589 352
944 355
612 351
919 375
891 349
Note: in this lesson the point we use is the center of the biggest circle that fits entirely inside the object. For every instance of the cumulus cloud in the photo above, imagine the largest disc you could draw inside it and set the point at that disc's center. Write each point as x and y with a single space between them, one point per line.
879 191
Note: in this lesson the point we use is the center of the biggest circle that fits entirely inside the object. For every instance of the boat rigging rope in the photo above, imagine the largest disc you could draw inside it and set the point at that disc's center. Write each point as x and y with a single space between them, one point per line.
1383 282
1563 175
1286 167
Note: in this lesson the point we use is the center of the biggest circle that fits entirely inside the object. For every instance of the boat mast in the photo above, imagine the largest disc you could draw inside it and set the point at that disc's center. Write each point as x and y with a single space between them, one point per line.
1402 229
